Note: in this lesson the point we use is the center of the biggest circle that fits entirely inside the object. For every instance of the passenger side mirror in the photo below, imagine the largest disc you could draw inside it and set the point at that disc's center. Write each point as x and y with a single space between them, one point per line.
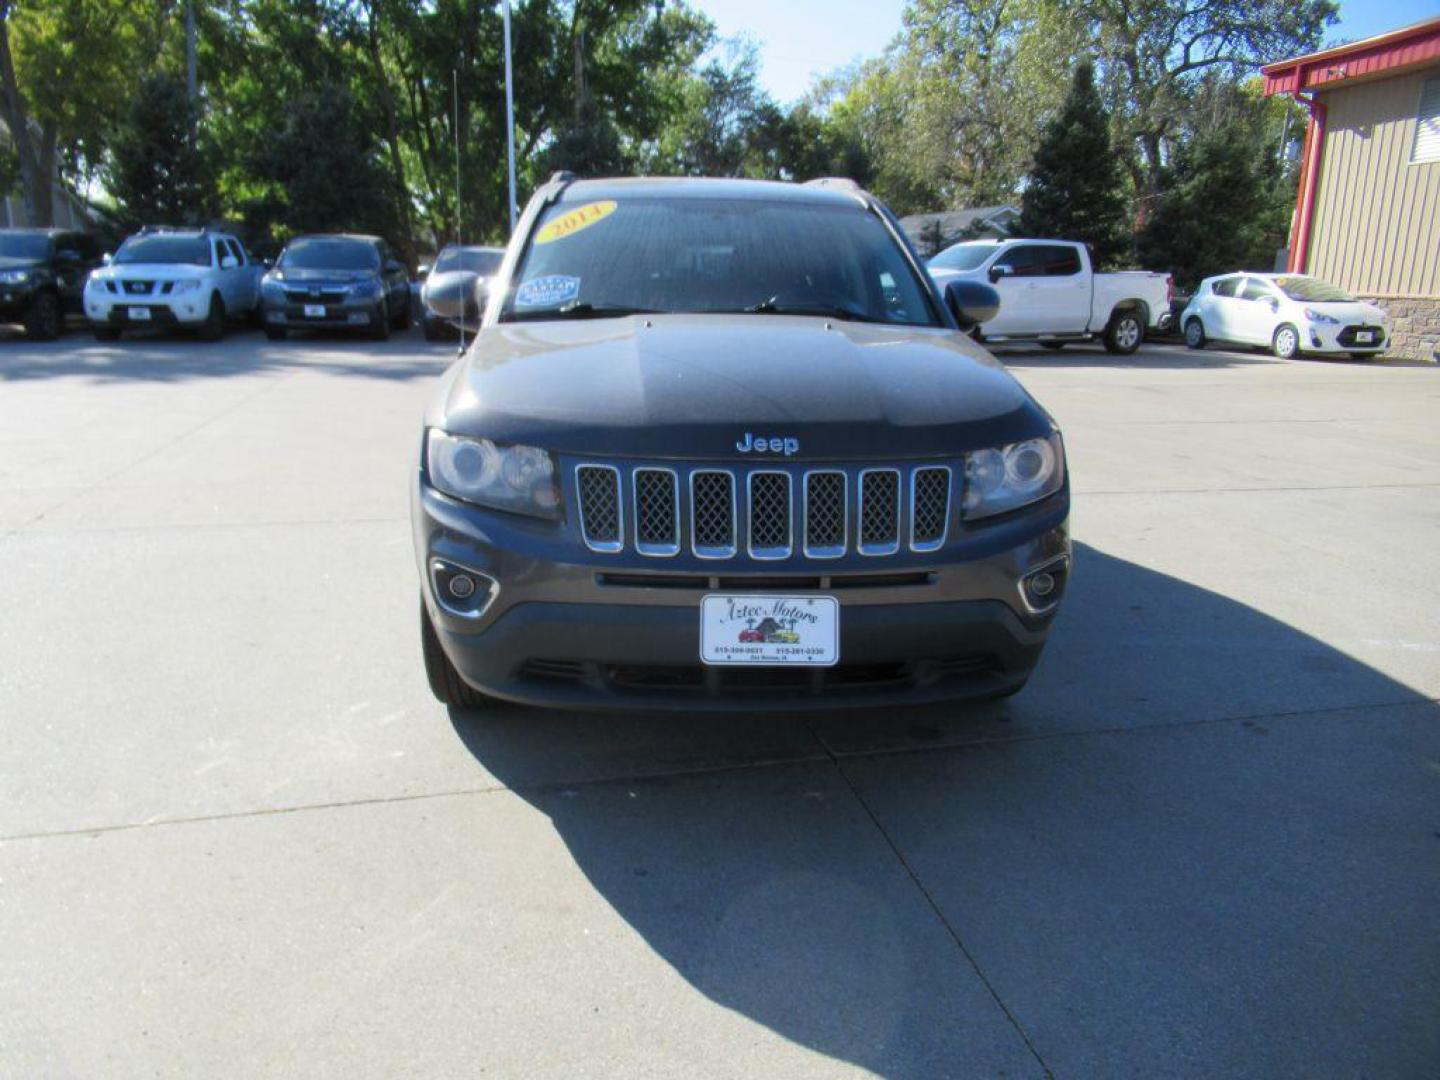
105 259
423 271
1000 270
1273 302
971 302
229 262
269 264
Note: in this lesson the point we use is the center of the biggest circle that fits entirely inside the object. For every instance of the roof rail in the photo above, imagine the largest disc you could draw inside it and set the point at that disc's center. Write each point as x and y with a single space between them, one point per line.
562 176
146 230
844 183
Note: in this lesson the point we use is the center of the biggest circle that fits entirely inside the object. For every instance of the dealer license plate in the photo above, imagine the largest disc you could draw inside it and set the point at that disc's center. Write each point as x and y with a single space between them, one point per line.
803 630
1364 337
140 314
314 311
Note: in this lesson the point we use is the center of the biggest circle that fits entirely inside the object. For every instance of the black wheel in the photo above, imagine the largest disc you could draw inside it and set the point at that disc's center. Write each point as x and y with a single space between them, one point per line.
380 323
106 333
275 333
434 331
213 328
44 319
1286 342
1194 334
1053 345
1125 333
445 681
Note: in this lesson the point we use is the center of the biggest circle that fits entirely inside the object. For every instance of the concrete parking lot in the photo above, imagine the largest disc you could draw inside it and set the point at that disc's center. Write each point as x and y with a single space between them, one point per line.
239 838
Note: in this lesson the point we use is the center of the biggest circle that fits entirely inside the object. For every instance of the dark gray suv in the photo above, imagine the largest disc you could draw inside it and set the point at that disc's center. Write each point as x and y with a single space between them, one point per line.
336 281
723 444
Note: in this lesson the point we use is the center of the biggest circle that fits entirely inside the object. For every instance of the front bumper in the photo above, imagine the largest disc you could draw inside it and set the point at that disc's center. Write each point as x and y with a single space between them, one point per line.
1331 338
347 314
188 310
567 627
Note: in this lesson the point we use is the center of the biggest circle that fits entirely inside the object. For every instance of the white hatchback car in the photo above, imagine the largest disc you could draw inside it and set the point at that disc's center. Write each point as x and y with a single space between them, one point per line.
167 277
1290 313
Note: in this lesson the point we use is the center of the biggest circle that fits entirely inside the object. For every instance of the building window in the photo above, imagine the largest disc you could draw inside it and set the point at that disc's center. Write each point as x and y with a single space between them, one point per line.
1427 124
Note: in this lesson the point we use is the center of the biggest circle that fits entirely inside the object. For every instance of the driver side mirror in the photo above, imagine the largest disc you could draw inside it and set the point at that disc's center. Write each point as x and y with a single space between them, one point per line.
971 303
1273 302
1001 270
105 259
423 270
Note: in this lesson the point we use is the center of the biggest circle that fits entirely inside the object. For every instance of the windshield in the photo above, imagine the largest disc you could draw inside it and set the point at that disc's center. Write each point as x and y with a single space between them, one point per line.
962 256
24 245
330 254
1312 290
194 250
477 262
705 254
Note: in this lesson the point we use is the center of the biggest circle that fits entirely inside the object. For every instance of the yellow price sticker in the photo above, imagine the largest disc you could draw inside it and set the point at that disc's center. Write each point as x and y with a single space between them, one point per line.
568 224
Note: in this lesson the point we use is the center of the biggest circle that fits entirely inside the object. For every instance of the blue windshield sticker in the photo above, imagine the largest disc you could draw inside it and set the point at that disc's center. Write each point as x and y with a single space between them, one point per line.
551 291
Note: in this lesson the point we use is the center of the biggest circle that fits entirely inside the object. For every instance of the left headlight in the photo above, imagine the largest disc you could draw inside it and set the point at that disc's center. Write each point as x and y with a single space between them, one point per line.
188 285
14 277
1008 477
1320 317
520 479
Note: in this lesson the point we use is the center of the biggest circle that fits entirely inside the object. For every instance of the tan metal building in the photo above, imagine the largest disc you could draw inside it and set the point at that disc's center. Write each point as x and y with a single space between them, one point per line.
1368 212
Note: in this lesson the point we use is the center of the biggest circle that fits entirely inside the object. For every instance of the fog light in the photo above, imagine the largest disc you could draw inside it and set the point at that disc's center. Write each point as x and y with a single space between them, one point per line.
1041 589
1041 584
462 586
460 590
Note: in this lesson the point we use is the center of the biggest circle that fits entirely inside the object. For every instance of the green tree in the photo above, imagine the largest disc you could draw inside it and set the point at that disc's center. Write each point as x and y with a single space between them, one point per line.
1075 189
156 172
1226 198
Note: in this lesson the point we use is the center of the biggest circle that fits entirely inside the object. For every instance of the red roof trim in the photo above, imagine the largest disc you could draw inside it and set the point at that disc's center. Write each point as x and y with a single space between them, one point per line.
1407 47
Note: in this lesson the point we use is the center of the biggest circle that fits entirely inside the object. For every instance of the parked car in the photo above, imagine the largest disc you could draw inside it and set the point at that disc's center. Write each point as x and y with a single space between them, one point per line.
456 288
336 280
173 277
1291 314
42 277
1050 294
701 404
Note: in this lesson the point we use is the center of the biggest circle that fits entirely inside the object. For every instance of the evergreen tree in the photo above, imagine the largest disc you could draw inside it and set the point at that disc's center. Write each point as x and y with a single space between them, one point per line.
157 173
1074 190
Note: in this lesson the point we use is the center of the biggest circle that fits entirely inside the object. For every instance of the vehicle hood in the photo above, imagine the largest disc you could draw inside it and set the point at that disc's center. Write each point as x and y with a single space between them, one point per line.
151 271
322 276
692 386
15 262
1347 311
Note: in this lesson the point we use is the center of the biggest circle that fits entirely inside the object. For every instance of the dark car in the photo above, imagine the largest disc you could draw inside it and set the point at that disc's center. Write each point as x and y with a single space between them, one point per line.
336 281
456 288
702 408
42 277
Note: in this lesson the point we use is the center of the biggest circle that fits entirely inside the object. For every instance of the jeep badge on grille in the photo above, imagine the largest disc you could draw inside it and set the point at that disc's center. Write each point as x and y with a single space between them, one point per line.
753 444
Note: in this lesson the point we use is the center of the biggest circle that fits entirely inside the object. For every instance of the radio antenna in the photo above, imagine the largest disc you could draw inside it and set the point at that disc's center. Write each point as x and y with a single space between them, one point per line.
464 299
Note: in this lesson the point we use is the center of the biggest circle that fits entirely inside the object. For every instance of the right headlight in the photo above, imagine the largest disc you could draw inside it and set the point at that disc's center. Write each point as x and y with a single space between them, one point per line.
1007 477
520 479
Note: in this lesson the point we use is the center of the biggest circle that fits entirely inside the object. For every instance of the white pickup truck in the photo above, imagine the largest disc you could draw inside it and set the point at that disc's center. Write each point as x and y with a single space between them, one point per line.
1050 294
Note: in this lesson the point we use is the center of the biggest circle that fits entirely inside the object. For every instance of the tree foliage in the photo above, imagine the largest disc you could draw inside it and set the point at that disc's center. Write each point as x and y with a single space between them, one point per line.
1075 186
156 171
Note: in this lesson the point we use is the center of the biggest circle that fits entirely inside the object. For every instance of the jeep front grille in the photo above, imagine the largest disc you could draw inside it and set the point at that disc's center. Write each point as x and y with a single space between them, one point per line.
768 513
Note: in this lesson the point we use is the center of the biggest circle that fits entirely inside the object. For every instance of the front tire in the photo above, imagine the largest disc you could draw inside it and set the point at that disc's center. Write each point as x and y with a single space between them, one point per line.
1195 334
445 681
213 328
1125 333
1286 342
380 323
402 317
44 319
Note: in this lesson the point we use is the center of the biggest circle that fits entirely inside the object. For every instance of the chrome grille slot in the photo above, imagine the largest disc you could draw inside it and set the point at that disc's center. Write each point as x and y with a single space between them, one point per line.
929 507
601 515
657 512
825 514
879 512
770 534
712 513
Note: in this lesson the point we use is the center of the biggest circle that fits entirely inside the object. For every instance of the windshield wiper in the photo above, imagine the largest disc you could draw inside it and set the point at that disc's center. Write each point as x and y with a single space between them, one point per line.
579 309
772 306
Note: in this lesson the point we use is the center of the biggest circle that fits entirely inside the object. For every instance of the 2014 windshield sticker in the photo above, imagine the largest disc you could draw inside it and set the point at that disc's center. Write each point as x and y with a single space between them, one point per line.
550 291
571 222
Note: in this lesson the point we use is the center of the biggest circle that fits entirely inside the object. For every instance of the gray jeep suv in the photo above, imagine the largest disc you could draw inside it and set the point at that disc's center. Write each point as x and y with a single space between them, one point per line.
723 444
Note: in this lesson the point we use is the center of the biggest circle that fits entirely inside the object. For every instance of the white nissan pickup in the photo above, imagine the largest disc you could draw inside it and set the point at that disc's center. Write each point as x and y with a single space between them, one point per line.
1050 294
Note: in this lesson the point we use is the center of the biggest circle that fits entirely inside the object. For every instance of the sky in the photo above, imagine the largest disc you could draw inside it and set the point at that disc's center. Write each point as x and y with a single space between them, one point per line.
801 39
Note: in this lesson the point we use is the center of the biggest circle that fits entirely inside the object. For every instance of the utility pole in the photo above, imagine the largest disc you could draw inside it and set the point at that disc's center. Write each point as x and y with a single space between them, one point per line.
191 82
509 117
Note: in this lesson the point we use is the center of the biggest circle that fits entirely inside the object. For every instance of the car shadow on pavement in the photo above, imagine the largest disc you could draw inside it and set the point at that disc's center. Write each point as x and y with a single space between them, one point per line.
1151 355
176 357
1201 842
